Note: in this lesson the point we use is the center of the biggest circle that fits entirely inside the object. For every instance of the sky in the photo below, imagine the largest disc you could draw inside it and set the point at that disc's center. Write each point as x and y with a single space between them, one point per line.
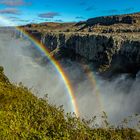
36 11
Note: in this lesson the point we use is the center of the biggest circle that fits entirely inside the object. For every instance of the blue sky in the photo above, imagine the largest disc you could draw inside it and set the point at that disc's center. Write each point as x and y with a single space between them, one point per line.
32 11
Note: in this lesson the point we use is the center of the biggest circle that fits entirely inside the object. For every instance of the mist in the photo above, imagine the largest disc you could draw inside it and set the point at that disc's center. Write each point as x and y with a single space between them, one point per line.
118 97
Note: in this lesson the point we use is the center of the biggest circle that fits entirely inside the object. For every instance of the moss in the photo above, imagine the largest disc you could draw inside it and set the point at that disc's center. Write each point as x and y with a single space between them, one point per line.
24 116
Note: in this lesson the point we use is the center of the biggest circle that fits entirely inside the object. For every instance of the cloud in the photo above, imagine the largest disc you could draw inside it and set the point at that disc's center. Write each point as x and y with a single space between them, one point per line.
112 11
115 11
13 18
58 20
23 20
90 8
82 3
130 9
49 15
14 2
79 17
10 11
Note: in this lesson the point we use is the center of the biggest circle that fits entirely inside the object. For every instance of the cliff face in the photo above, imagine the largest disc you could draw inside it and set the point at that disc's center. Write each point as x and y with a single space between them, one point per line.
121 52
109 20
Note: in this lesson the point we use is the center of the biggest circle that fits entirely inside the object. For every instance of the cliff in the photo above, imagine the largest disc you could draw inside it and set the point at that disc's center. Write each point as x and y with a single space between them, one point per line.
105 51
109 43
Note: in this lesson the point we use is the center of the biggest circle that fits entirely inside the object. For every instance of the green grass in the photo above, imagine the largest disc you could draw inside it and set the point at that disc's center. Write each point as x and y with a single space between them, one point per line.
24 116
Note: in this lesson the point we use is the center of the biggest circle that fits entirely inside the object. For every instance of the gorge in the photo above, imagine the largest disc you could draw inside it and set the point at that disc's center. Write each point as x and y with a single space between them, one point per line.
109 43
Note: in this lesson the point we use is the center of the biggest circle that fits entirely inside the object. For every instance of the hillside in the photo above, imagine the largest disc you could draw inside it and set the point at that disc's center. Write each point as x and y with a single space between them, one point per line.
24 116
112 24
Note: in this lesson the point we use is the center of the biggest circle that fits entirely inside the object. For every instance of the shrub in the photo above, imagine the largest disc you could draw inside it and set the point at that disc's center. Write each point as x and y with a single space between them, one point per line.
24 116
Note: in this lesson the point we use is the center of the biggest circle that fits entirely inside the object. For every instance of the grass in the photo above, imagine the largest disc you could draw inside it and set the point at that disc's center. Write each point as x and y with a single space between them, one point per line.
24 116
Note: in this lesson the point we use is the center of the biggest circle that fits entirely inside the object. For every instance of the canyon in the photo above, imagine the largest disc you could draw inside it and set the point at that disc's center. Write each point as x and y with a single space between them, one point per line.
108 44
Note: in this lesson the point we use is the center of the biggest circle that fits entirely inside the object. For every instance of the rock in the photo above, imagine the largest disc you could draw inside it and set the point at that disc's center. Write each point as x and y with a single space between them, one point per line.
3 78
1 69
109 20
102 49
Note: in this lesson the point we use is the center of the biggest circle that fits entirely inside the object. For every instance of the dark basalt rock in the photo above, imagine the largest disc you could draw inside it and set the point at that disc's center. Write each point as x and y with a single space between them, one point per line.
3 78
110 20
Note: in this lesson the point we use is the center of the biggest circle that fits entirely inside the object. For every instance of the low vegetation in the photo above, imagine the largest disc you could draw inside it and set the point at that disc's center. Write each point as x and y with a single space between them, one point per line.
24 116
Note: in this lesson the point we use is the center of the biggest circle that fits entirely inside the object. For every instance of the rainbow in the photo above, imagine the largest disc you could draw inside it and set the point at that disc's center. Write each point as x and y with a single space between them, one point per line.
93 81
55 63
